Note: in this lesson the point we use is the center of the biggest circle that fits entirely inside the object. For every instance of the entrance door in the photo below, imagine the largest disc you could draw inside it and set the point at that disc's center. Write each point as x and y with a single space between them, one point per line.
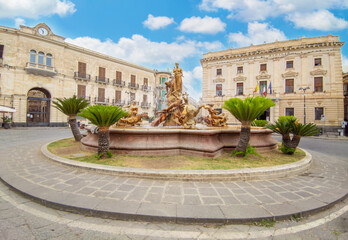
265 115
38 107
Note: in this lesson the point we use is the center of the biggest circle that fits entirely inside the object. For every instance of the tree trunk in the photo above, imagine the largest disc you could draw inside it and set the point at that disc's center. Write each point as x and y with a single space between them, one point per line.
286 140
291 143
243 140
103 141
74 129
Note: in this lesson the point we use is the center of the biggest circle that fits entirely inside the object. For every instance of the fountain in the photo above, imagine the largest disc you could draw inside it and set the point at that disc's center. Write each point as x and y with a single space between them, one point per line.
175 132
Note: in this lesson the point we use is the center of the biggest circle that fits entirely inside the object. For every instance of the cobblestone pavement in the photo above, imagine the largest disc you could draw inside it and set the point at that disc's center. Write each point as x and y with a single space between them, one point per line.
20 150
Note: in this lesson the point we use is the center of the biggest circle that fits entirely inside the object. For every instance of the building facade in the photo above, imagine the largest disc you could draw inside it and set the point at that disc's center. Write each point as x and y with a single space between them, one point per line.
37 66
303 77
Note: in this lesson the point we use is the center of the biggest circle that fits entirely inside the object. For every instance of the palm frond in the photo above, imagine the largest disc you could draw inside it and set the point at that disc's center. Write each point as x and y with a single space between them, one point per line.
103 116
70 106
248 110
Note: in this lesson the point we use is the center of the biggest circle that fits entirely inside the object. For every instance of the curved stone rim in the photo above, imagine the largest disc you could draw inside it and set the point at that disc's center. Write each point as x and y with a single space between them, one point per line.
262 173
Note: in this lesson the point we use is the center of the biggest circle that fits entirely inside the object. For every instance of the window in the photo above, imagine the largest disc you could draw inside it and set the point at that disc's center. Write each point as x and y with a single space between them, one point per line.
239 69
163 80
102 74
132 96
289 64
32 56
118 77
146 81
1 51
318 84
82 70
289 85
101 94
41 58
49 60
118 96
319 111
218 89
239 88
263 87
81 91
317 61
263 67
219 71
289 111
218 110
133 80
144 98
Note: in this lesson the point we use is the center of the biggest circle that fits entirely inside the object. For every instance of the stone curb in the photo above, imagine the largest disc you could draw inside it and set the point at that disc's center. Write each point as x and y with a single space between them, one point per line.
262 173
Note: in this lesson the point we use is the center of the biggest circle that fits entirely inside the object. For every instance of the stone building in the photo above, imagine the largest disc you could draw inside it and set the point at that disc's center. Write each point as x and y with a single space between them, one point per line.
160 91
37 66
288 72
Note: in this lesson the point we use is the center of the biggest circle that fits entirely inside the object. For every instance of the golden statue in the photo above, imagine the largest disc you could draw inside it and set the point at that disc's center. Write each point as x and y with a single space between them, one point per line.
215 119
177 84
133 117
187 118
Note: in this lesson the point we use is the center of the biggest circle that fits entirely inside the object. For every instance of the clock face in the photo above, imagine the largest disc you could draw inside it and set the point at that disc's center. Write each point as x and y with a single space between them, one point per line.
43 31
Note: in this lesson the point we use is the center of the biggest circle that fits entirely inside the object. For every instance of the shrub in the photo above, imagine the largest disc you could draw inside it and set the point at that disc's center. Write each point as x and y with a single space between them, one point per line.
287 150
259 123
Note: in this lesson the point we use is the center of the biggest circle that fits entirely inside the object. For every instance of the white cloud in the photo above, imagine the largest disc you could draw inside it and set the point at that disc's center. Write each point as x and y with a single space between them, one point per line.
141 50
251 10
19 21
207 25
192 80
258 33
345 64
155 23
35 8
320 20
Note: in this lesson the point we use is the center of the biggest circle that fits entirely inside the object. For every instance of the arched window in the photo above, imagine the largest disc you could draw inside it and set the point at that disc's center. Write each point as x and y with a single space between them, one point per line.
41 58
33 56
49 60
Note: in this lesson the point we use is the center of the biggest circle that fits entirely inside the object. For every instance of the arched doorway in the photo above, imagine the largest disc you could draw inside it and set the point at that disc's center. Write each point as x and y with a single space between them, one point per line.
38 109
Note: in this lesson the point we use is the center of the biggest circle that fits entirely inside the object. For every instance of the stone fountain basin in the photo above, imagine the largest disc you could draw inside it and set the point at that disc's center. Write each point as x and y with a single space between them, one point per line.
207 142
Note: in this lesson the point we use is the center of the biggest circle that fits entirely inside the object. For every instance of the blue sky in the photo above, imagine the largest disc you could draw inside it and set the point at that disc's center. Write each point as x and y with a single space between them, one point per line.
157 33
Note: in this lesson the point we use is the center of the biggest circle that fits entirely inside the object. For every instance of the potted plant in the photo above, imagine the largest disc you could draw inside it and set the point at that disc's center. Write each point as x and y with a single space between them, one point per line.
6 122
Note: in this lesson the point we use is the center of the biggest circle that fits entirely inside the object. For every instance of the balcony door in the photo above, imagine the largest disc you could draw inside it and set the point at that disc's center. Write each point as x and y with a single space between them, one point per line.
38 107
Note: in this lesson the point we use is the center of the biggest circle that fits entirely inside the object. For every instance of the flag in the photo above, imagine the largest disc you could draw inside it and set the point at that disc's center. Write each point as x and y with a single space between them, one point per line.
270 88
265 91
257 88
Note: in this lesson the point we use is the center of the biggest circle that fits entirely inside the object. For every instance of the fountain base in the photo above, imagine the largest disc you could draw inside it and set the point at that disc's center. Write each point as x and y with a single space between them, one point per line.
210 142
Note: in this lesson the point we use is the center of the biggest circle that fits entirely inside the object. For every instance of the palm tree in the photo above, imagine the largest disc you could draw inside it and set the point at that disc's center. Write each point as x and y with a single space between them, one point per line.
246 111
70 107
287 126
103 117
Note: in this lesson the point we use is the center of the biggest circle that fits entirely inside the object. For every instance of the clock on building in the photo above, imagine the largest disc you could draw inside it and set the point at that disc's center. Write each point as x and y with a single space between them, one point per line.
42 31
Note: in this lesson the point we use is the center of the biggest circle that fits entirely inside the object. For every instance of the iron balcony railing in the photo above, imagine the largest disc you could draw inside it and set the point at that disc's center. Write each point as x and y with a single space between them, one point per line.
118 102
102 80
131 102
133 86
100 100
87 98
145 88
119 83
82 76
145 105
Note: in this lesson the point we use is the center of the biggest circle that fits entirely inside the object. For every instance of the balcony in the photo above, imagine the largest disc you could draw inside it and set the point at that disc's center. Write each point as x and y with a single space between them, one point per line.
118 102
101 101
131 102
133 86
87 98
146 88
119 83
39 69
102 80
82 76
145 105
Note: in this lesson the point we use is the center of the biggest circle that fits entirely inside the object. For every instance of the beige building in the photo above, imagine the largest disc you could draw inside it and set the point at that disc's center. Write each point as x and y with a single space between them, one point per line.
285 71
37 66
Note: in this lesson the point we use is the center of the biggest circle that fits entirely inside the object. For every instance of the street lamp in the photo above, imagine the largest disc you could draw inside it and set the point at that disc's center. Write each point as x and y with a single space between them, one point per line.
304 103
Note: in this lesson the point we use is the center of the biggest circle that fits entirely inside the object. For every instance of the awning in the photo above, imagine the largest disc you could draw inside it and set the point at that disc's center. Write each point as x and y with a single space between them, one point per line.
4 109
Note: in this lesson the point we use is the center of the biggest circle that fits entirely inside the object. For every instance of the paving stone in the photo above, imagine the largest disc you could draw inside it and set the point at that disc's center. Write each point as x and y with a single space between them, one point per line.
207 191
192 200
161 210
244 212
212 200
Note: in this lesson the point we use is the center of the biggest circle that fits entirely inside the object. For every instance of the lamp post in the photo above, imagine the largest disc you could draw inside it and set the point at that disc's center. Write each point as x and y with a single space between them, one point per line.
304 102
